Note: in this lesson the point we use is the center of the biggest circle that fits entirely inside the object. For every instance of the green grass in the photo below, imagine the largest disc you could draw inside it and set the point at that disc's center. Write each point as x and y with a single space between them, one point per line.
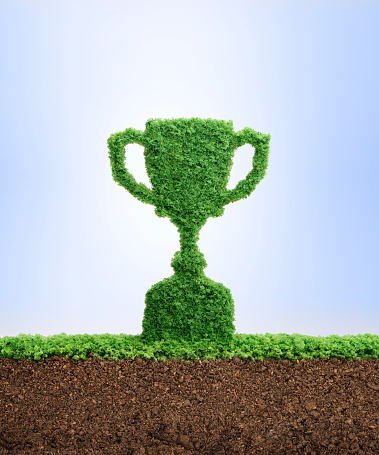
263 347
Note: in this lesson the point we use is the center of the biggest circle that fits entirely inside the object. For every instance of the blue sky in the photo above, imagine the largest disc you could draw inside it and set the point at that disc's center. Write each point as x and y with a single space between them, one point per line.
78 252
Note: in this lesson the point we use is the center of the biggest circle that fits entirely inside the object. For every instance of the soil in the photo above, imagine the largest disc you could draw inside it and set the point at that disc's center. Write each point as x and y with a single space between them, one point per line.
233 406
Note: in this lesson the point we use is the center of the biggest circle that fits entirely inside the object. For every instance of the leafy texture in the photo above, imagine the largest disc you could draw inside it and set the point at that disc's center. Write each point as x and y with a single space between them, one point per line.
188 162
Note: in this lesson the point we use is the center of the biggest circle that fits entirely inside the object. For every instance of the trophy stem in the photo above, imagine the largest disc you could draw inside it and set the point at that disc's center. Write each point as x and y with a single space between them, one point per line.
189 262
189 237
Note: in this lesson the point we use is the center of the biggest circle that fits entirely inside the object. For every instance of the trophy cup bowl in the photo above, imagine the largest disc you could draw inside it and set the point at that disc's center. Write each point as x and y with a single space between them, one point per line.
188 162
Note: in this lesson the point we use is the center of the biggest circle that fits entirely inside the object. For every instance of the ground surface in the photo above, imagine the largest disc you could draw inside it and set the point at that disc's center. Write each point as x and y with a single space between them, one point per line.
215 407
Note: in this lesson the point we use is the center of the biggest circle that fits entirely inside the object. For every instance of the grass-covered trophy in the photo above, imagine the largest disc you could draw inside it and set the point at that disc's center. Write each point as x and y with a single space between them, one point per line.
188 162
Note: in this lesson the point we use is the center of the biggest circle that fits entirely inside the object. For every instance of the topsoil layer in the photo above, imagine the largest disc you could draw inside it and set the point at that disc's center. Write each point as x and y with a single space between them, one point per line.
219 407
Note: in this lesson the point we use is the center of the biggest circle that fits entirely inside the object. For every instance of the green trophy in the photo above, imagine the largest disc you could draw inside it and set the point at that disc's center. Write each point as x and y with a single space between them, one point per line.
188 162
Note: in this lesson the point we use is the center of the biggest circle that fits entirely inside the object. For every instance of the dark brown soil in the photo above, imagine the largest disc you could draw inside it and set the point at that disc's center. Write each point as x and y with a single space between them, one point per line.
132 407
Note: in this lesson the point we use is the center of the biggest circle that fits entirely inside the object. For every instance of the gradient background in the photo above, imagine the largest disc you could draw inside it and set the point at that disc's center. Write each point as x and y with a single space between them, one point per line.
78 252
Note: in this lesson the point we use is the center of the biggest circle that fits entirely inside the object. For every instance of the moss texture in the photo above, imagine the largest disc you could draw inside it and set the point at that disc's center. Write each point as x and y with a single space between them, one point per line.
188 162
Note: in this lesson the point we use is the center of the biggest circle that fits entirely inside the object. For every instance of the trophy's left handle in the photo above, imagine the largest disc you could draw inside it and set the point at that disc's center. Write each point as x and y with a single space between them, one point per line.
261 143
116 145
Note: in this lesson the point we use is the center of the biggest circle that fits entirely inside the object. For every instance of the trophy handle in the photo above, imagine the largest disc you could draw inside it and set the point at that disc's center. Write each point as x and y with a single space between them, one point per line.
116 145
261 143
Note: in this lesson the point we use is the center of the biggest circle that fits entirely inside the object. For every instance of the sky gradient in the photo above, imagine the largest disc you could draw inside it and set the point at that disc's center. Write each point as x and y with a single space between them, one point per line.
78 252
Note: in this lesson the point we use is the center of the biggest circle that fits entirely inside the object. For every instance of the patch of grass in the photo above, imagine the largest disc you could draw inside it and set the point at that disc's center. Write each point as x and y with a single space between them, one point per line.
263 347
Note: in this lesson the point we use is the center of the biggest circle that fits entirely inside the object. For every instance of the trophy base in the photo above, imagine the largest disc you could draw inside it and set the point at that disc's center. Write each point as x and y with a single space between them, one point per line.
192 310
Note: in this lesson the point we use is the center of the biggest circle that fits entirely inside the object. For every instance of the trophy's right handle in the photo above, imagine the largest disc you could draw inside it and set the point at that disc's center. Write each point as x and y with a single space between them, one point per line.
261 143
116 146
